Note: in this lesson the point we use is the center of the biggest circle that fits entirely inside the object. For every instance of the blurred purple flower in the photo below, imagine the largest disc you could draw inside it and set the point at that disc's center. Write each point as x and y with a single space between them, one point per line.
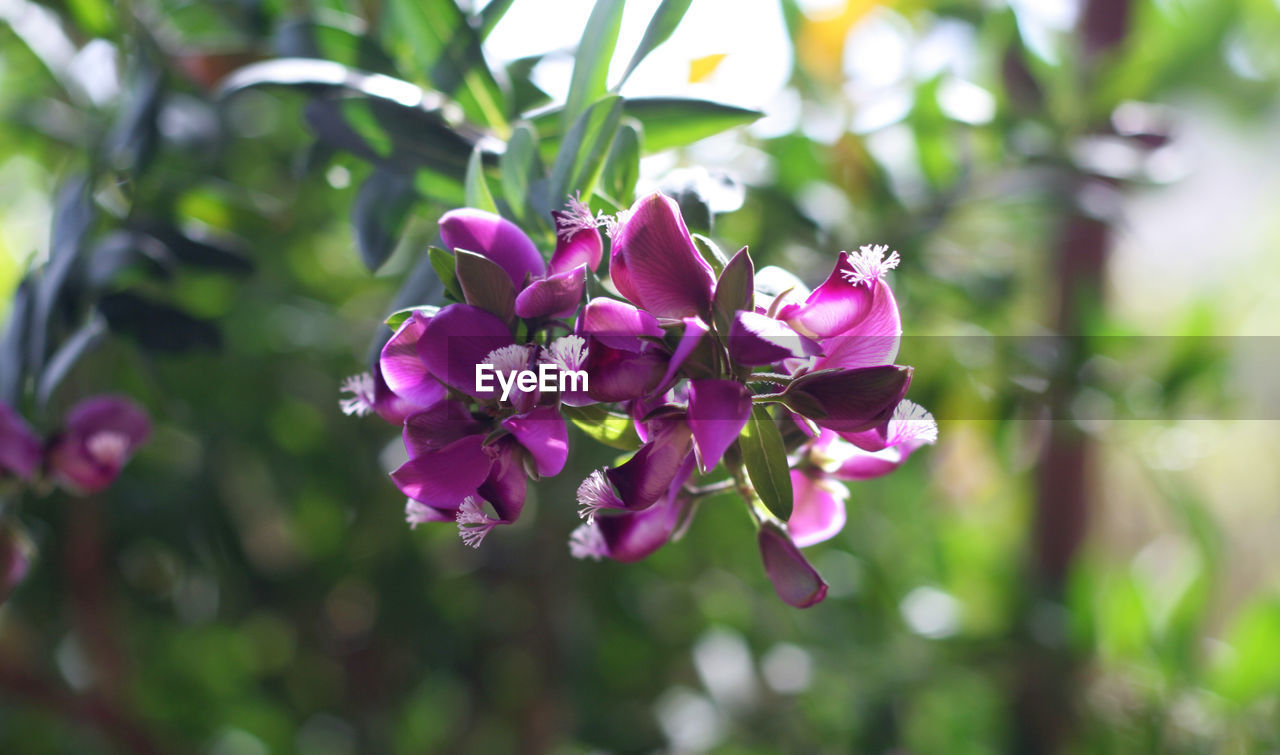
20 448
98 438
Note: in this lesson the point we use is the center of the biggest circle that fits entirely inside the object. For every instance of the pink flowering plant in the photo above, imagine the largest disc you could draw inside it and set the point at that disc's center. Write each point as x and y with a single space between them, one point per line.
711 376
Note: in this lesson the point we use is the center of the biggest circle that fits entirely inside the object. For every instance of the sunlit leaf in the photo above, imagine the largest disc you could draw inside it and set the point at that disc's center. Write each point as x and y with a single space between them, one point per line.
765 457
664 22
612 429
591 63
584 149
478 195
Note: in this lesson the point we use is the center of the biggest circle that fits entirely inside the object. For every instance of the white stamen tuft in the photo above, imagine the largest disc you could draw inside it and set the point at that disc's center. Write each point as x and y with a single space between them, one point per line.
912 422
588 542
613 224
513 358
566 352
416 512
596 493
361 388
869 264
578 218
108 447
473 523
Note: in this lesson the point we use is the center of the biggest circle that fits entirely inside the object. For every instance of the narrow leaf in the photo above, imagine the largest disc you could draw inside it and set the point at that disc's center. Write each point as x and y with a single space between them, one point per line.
765 457
379 214
612 429
519 165
490 15
85 339
583 151
622 169
397 318
735 290
668 122
445 265
477 187
664 22
710 252
591 64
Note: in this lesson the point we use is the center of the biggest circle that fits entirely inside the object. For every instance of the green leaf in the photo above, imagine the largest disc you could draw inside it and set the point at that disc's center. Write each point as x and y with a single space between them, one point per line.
710 252
519 166
584 149
622 169
490 15
668 122
397 318
765 458
485 284
382 205
735 290
591 64
664 22
436 36
477 187
445 265
612 429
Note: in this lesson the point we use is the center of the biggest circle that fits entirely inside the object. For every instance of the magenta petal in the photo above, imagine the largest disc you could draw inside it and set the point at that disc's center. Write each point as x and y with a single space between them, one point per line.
834 306
543 434
496 238
458 338
100 436
403 370
661 270
584 247
793 578
818 513
756 339
507 484
437 426
618 324
694 331
718 410
416 512
616 375
646 476
849 400
555 296
871 340
20 449
443 478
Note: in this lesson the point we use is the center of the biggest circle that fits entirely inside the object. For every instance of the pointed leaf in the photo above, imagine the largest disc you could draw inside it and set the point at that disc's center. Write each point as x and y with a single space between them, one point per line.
664 22
490 15
583 151
477 187
520 165
379 214
81 342
397 318
765 457
622 169
445 265
591 64
485 284
612 429
668 122
735 290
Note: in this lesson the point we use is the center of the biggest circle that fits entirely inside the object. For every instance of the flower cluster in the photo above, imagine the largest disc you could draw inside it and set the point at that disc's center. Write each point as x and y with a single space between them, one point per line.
98 437
717 376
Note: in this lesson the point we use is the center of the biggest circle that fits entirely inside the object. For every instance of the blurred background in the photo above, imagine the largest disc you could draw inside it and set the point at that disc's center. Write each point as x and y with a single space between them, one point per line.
1085 562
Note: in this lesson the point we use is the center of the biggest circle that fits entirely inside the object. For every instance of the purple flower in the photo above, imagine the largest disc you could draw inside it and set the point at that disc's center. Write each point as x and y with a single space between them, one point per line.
793 578
633 535
643 479
655 265
98 438
20 448
849 400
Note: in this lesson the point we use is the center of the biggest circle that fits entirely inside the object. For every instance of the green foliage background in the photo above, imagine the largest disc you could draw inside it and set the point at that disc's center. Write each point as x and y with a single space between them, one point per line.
249 584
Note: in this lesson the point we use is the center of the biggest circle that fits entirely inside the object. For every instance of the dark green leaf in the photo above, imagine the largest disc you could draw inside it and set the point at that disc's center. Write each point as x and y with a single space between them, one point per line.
156 326
664 22
584 149
765 458
591 64
695 210
612 429
445 265
198 252
735 290
86 338
710 252
622 169
13 347
438 38
485 284
379 214
478 195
